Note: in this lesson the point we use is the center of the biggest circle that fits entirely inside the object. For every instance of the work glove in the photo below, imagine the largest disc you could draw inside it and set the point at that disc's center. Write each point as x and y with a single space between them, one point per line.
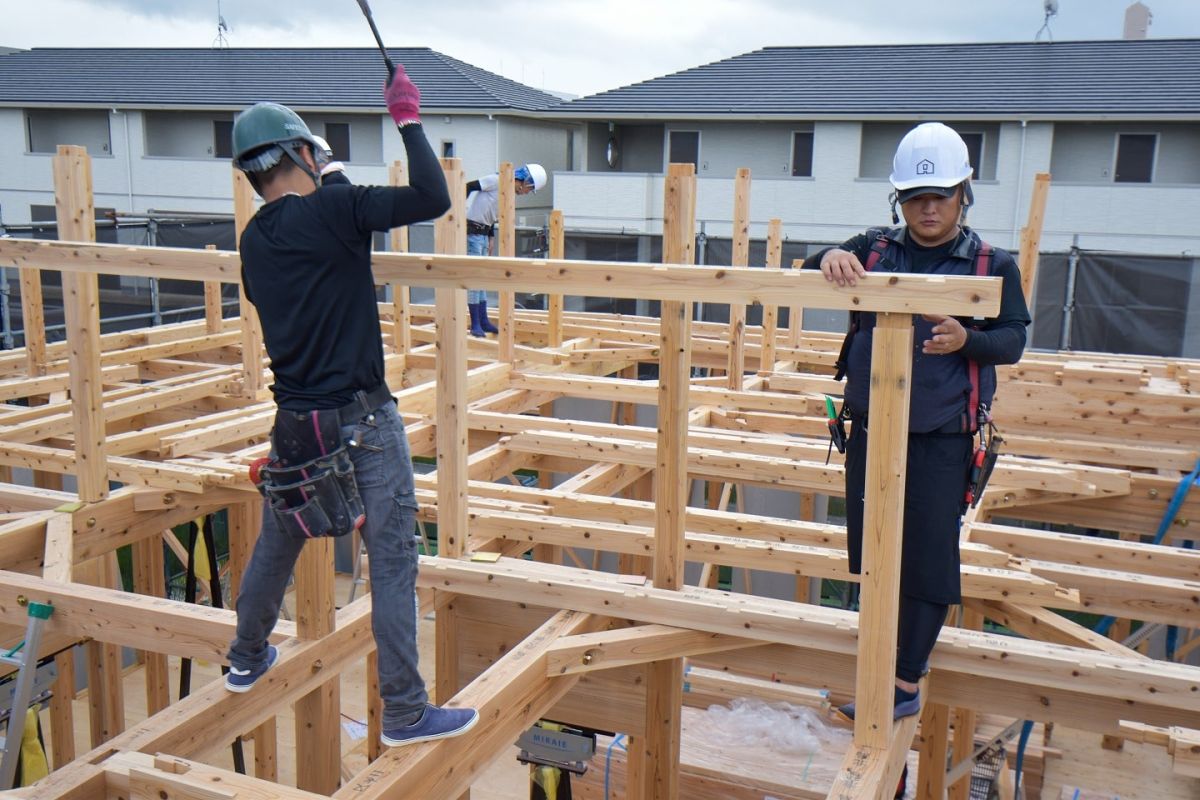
403 98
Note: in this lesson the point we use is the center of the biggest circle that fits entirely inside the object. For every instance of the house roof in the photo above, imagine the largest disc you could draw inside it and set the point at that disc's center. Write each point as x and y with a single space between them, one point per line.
1120 78
235 77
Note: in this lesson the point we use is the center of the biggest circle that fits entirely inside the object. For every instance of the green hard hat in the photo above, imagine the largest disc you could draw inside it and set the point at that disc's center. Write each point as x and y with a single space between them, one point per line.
260 126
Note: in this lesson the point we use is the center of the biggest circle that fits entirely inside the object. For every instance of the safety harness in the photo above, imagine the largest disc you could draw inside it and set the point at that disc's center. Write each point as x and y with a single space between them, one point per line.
978 416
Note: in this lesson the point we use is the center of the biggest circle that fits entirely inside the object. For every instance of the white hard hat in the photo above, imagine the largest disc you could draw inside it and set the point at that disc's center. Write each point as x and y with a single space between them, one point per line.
931 156
322 153
532 172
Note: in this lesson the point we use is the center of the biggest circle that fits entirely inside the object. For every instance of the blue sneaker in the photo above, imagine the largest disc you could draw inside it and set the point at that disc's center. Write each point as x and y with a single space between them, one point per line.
906 704
435 723
242 680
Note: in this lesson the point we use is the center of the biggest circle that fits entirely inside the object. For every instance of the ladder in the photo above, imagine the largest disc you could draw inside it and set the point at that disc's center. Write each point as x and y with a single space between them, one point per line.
25 656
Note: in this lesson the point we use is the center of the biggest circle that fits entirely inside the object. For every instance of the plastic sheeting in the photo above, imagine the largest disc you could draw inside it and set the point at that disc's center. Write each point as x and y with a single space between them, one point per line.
1123 303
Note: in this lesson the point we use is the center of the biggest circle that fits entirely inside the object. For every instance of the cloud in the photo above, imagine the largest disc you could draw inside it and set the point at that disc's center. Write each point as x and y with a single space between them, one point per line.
580 46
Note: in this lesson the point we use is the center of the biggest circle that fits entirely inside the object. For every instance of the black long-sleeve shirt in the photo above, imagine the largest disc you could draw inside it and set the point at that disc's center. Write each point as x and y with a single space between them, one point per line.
306 267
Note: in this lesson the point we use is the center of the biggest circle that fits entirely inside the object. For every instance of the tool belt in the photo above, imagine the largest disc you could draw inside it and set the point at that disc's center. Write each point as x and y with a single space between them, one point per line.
309 483
479 229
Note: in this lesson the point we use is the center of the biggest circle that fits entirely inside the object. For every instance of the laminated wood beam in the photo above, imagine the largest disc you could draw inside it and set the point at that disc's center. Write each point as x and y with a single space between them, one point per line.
1031 234
739 257
770 317
637 645
506 247
905 293
452 430
510 695
960 652
401 306
871 773
251 327
1044 625
121 618
81 305
883 528
556 245
33 315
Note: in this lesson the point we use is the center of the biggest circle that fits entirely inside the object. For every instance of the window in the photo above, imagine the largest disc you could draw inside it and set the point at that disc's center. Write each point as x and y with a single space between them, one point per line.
683 147
46 129
338 136
974 142
222 138
1135 157
447 148
802 154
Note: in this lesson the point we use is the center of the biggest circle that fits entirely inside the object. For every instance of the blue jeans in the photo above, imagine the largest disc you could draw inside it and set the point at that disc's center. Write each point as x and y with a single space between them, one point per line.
477 245
383 469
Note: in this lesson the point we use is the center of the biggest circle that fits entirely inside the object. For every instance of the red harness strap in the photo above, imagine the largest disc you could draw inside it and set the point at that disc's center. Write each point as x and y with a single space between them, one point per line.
983 260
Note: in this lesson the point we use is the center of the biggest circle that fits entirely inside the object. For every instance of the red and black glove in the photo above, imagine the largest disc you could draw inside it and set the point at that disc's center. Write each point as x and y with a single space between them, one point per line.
403 98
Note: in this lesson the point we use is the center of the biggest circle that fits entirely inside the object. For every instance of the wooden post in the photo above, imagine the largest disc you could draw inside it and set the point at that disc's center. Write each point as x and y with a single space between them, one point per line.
62 712
740 258
401 312
148 580
933 740
883 524
796 314
318 723
506 247
213 311
556 245
33 319
452 428
1031 234
664 679
766 361
81 303
964 724
252 336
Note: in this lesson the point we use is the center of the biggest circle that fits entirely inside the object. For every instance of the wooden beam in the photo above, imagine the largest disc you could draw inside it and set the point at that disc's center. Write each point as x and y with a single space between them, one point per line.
883 529
1031 234
510 695
740 257
637 645
901 293
766 359
506 247
450 237
871 773
251 326
33 320
318 717
81 304
401 307
556 244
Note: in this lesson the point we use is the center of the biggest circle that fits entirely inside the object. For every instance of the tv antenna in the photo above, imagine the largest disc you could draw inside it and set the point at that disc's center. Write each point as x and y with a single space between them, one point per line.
1051 8
222 27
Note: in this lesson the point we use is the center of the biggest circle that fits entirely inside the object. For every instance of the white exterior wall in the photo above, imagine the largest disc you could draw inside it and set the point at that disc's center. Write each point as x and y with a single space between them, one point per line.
835 203
203 183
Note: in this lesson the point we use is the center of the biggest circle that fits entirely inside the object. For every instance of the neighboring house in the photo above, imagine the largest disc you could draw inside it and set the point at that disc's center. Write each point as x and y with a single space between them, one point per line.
158 122
1116 123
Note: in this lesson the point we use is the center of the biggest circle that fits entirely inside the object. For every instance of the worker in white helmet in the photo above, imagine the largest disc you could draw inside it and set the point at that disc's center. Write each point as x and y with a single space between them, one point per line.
332 171
953 380
483 211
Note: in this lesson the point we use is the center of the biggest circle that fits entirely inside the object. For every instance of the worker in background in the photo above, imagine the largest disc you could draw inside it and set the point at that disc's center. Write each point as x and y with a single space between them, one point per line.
953 380
331 170
306 267
483 211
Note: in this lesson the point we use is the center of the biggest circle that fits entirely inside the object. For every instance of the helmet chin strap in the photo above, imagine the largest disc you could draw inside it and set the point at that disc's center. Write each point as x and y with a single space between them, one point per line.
291 148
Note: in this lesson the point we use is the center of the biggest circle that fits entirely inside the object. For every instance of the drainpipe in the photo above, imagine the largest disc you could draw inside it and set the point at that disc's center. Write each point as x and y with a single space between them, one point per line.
1064 336
701 252
1016 226
128 160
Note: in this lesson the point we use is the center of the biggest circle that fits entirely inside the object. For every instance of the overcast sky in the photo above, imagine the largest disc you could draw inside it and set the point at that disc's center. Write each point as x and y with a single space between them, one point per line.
576 46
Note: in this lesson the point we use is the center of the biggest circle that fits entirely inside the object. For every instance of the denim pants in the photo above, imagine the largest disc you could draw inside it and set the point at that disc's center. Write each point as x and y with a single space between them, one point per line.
477 245
383 469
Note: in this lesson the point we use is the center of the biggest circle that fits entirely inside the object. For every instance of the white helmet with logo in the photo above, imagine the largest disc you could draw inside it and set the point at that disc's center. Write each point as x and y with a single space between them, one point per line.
931 156
531 173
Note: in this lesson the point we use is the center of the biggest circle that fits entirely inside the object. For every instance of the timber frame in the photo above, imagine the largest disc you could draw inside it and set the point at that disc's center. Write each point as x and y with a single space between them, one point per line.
175 414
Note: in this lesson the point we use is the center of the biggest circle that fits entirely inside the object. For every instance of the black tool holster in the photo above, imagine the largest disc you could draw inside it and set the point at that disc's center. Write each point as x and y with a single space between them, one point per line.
309 482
